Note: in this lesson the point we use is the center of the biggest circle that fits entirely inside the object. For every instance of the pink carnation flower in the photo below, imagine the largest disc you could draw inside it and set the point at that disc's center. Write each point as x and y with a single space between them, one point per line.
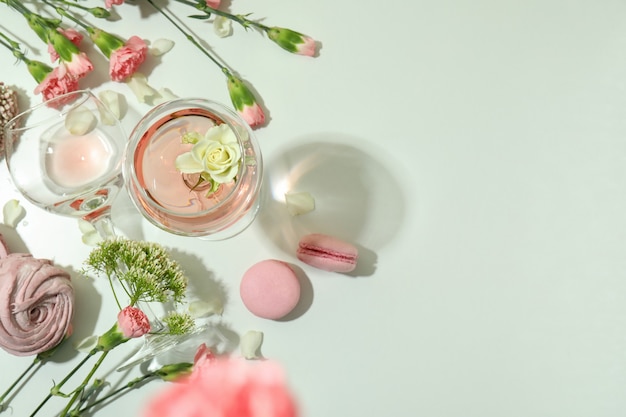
226 388
125 60
59 81
133 322
79 66
109 3
213 3
72 34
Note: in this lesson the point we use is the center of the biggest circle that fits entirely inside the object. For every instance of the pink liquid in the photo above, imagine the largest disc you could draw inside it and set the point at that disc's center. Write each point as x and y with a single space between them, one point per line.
168 200
74 161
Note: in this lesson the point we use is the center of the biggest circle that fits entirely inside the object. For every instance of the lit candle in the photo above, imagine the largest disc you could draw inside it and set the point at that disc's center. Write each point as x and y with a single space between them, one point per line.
73 161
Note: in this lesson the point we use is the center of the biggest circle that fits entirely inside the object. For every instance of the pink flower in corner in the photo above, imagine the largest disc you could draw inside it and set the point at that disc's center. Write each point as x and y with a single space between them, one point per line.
133 322
213 3
226 388
125 60
72 34
109 3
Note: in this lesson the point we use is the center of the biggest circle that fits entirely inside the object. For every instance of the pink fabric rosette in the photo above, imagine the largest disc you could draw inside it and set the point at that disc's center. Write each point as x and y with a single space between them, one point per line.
36 303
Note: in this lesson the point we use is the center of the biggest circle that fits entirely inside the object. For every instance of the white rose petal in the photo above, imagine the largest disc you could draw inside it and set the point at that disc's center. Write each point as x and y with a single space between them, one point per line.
161 46
251 343
111 99
199 309
222 26
299 203
87 344
163 95
90 237
138 83
13 213
80 120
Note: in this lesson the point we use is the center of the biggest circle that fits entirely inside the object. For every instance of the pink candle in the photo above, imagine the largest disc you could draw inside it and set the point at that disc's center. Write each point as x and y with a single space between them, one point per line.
73 161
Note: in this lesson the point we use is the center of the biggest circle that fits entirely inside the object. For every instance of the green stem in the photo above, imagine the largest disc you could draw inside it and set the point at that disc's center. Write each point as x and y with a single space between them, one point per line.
78 391
58 386
113 291
71 4
129 385
238 18
189 37
17 381
16 5
6 45
61 12
9 43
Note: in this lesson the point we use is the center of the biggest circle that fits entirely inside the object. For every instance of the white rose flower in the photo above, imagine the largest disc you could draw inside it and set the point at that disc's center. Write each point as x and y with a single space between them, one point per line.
217 154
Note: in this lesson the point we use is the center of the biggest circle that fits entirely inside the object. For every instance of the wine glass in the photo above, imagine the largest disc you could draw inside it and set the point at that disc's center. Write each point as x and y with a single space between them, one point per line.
65 156
177 202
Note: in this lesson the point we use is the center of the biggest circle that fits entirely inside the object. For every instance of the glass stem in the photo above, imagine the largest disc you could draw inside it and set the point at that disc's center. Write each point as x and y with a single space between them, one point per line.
101 221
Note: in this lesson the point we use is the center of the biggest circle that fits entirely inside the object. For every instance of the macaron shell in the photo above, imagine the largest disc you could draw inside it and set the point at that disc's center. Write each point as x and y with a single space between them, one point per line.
327 253
270 289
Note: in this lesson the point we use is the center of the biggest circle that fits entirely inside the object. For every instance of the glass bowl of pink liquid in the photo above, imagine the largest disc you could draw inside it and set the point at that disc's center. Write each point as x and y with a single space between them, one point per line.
174 201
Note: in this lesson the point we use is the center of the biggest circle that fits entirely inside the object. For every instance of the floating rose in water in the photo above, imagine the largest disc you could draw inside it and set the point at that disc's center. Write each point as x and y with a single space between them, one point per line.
36 303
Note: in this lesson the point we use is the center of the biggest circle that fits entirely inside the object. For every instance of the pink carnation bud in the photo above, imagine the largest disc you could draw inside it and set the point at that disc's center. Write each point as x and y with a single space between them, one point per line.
203 354
253 115
307 48
293 41
72 34
214 4
244 101
133 322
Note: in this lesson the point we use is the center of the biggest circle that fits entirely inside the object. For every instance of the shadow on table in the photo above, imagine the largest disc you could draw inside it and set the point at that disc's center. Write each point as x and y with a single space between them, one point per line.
202 285
357 198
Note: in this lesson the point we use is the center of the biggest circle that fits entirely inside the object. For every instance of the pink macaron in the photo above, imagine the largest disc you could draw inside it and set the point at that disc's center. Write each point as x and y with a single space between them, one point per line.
270 289
327 253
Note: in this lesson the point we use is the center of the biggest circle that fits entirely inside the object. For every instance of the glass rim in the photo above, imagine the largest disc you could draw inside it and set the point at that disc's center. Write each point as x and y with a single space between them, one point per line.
10 125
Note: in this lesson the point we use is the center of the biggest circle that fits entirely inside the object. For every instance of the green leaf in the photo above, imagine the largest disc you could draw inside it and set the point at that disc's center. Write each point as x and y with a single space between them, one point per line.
200 16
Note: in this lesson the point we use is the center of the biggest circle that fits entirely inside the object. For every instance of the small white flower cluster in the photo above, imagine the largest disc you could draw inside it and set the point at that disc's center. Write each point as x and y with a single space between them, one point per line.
145 269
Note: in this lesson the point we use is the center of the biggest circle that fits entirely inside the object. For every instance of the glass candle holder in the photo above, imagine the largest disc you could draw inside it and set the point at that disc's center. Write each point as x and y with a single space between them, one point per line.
181 203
